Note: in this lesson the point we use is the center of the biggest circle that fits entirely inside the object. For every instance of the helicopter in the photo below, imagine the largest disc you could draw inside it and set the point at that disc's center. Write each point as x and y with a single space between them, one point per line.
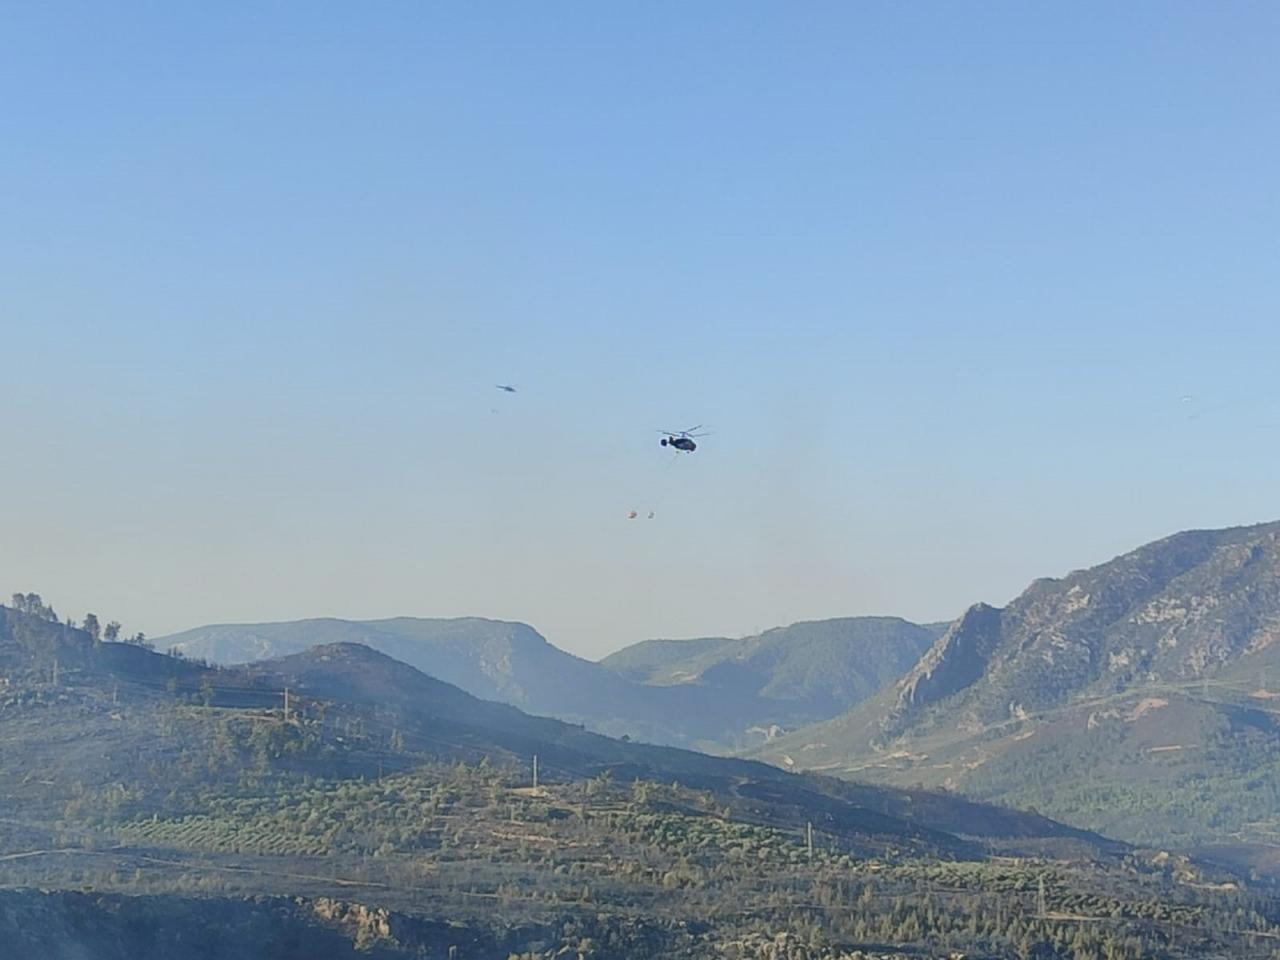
682 439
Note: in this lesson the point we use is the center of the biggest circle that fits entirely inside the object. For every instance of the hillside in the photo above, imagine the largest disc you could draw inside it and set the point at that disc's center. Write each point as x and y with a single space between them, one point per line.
493 659
821 667
724 700
1129 697
339 802
352 709
78 925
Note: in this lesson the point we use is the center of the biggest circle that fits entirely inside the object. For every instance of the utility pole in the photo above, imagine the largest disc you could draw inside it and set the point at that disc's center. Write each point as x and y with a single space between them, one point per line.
286 704
535 771
808 835
115 694
55 671
1040 904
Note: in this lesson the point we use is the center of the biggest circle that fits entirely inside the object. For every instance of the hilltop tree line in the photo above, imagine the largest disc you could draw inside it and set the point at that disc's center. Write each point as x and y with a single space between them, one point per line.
33 605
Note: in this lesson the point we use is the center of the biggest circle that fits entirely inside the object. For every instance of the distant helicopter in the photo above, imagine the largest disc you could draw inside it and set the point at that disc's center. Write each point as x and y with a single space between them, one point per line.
682 439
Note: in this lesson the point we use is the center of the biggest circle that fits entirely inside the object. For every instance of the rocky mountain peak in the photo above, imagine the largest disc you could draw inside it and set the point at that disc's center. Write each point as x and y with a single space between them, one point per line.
956 659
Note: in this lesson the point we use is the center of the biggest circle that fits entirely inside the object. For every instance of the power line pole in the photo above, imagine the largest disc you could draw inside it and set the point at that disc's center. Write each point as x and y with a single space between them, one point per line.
286 704
808 831
535 771
55 671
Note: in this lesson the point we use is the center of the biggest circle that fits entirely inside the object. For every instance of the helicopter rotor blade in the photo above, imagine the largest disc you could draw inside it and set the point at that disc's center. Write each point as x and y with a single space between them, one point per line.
686 433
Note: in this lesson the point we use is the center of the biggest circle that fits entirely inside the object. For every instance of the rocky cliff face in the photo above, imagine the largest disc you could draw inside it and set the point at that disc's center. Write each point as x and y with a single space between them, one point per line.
1177 609
955 660
1135 697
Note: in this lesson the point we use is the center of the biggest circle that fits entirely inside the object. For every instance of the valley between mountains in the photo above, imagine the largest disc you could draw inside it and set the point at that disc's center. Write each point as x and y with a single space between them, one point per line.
1130 698
1092 771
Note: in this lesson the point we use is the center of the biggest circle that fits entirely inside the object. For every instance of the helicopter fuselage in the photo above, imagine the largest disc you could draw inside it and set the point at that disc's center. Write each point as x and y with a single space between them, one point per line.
680 443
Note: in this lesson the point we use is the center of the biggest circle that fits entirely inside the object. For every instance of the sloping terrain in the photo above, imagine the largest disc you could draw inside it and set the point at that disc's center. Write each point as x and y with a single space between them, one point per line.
496 660
118 711
734 696
78 925
1129 697
819 667
337 802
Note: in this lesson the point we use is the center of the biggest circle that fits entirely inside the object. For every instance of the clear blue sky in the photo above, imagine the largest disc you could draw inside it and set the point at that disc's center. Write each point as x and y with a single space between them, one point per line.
970 293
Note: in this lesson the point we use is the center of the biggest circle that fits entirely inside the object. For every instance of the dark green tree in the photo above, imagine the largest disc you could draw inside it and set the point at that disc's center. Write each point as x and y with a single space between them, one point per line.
32 605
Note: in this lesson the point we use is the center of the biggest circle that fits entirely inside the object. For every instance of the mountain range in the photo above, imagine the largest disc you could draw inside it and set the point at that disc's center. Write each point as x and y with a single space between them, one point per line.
715 694
1130 697
338 802
152 731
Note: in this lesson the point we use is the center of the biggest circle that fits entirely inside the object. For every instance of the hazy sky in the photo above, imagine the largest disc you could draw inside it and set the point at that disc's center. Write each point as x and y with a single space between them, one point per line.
970 293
